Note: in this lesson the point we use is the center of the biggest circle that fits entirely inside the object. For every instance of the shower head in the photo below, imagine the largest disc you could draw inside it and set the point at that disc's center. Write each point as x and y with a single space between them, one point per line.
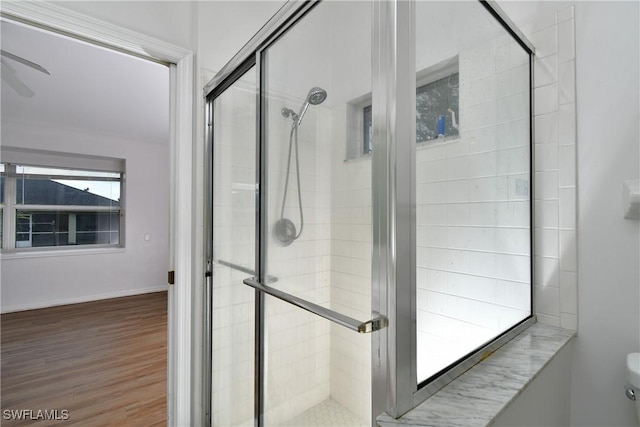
316 96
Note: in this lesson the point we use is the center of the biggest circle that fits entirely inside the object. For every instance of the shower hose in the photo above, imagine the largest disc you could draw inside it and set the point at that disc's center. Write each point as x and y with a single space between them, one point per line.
293 136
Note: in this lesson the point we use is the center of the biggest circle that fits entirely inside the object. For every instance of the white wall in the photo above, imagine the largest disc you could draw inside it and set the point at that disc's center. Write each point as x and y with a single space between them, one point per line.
53 279
608 245
546 399
170 21
223 27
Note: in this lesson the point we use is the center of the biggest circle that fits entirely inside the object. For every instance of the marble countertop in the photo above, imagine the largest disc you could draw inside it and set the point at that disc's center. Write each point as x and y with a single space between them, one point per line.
480 394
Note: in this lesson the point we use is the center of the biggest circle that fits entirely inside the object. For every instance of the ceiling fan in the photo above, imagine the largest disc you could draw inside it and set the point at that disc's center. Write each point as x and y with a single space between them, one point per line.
9 73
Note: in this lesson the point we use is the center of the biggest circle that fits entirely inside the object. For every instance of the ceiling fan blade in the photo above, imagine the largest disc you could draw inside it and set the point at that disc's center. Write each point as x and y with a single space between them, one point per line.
24 61
8 75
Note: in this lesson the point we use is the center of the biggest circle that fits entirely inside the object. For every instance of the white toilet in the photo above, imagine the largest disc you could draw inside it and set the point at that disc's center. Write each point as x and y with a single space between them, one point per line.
633 376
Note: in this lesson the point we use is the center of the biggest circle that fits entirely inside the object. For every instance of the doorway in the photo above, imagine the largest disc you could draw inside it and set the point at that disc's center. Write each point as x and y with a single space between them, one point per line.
180 60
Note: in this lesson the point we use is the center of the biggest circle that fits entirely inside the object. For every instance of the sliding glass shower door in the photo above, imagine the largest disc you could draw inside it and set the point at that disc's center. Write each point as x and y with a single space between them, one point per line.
318 220
233 205
291 202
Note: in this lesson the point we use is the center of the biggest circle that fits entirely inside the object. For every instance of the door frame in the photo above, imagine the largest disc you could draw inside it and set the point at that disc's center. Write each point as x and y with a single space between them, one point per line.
182 215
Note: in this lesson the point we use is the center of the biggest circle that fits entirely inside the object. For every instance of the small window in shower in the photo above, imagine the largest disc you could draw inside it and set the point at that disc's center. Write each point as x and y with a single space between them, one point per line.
367 120
437 109
437 106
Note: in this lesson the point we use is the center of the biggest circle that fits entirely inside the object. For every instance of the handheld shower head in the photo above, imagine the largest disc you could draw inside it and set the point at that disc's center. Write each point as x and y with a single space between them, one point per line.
284 230
316 96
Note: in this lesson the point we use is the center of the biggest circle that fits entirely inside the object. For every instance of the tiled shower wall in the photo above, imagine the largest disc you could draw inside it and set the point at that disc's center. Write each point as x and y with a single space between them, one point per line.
556 282
472 195
297 342
350 274
554 205
350 210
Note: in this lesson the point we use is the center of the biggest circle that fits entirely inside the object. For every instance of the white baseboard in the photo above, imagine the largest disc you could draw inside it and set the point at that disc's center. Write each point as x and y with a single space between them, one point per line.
84 298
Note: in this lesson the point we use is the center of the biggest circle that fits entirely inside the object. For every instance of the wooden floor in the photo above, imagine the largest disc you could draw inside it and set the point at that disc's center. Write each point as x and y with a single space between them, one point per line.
105 362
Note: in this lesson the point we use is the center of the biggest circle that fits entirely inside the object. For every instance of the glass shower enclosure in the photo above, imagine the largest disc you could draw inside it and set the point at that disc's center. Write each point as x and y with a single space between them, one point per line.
369 209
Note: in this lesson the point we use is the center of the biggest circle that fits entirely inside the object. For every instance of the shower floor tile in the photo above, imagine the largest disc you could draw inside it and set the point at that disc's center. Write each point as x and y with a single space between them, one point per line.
327 413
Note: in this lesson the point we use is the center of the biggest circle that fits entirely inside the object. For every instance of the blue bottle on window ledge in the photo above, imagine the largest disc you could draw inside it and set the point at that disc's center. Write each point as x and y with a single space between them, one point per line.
441 122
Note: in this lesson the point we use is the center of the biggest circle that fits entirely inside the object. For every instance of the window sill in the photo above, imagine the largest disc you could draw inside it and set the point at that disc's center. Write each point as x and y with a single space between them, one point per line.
439 142
358 159
60 253
419 146
479 395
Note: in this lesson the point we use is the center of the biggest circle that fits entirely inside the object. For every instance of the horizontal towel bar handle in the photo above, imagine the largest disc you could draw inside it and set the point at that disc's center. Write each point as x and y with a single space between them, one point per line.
240 268
366 327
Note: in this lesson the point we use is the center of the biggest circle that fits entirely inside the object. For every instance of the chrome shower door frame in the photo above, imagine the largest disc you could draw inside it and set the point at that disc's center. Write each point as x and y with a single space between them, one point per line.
393 203
395 389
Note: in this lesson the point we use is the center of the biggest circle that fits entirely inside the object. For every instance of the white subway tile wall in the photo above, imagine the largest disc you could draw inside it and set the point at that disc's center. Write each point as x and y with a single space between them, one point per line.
546 99
546 41
555 166
473 238
350 272
311 361
297 342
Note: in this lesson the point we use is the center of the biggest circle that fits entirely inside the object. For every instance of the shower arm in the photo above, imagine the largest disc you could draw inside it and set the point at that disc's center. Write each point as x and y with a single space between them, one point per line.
366 327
